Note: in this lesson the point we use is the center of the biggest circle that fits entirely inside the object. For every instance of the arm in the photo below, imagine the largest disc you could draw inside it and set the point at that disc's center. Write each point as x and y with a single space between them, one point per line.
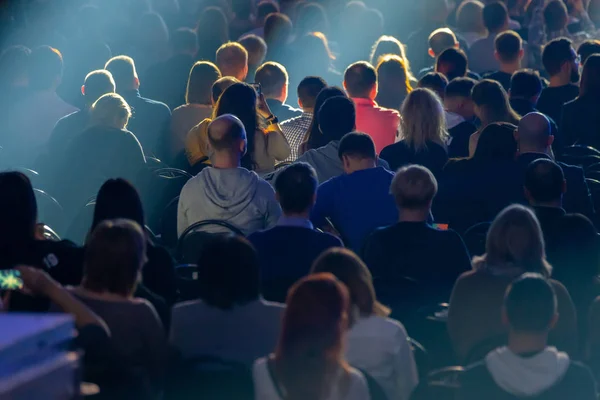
277 145
405 368
182 221
273 210
322 208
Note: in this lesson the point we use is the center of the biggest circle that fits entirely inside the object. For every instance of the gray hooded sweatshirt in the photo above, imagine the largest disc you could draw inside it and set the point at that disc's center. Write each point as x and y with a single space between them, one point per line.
236 196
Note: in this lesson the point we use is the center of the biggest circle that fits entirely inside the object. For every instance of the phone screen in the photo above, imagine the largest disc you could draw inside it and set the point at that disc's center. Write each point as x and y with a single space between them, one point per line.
441 227
10 279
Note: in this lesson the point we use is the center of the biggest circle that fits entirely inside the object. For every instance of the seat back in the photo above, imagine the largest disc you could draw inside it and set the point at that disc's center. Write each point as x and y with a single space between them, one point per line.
50 211
195 237
187 281
441 384
475 238
579 150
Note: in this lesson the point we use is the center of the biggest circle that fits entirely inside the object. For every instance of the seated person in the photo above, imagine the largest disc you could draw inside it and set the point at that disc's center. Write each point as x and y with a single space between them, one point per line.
359 201
525 89
434 81
460 116
273 80
452 63
509 53
287 251
230 320
441 40
527 367
227 192
412 248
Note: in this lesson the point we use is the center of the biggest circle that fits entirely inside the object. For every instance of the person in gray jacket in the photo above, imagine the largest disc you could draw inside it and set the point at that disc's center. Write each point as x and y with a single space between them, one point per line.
226 191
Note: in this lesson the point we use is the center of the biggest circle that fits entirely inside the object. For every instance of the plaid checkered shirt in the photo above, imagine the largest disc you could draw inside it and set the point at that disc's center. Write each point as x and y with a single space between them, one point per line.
294 130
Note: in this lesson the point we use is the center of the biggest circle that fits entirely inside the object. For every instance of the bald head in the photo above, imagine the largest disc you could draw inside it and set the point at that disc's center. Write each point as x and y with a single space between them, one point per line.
534 133
226 134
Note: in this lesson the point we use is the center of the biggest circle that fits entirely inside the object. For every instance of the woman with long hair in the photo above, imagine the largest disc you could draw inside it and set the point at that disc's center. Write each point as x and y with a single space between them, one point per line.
491 105
314 138
393 81
266 143
469 21
514 246
212 31
423 133
389 45
308 362
376 344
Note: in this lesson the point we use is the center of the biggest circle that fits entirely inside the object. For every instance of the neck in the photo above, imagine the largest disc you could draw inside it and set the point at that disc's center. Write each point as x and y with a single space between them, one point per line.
308 110
548 204
225 161
525 150
558 80
510 68
525 342
301 215
407 215
360 165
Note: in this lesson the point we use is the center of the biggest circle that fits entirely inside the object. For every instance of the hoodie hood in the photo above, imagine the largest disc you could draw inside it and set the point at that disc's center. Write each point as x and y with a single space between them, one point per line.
527 376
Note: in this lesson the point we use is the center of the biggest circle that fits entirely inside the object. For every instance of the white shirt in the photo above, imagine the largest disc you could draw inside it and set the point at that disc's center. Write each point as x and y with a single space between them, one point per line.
379 346
264 388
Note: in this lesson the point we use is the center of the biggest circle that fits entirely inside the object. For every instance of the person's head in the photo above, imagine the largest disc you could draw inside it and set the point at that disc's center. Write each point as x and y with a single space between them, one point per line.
457 97
578 257
312 55
278 30
228 272
393 81
587 48
360 80
337 117
203 76
496 143
227 141
184 41
212 31
116 199
509 48
256 48
526 84
114 256
423 119
452 63
96 84
13 66
18 210
440 40
315 137
349 269
388 45
534 134
273 79
242 9
309 352
434 10
556 16
590 77
308 90
495 17
296 189
45 68
357 152
545 183
219 87
311 17
414 188
123 71
232 60
434 81
492 104
469 17
530 306
110 110
515 241
560 60
152 32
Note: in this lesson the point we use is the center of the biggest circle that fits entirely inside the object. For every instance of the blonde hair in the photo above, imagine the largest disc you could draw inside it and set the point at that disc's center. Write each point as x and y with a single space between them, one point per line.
387 45
110 110
423 119
515 242
231 59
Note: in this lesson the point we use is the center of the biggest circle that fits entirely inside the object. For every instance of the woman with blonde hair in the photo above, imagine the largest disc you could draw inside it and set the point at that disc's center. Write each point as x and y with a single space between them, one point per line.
423 133
393 81
110 110
514 246
308 362
376 344
469 21
389 45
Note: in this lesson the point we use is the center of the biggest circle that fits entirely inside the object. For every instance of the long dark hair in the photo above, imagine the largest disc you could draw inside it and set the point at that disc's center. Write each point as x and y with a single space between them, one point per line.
212 32
314 138
239 99
590 77
118 199
18 212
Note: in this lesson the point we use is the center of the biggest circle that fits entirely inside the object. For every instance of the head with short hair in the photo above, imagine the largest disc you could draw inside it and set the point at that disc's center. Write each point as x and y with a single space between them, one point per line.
45 68
277 31
242 9
587 48
414 188
314 137
96 84
360 80
556 16
232 60
184 41
296 188
256 48
544 182
308 90
393 81
434 81
434 10
123 71
530 305
117 198
311 17
495 17
534 133
13 66
496 143
492 104
220 85
526 84
440 40
264 8
273 79
590 77
509 47
337 117
514 240
469 17
203 76
423 119
110 110
349 269
452 63
228 272
357 152
457 97
227 135
114 256
18 211
460 87
559 56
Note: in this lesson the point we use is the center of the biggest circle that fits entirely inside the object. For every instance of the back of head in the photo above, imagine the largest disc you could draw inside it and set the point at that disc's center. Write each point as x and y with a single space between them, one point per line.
18 210
316 138
357 145
414 187
14 62
114 256
555 54
296 187
578 257
434 10
273 78
495 16
393 75
525 84
256 48
278 29
460 87
492 103
242 8
424 119
228 272
308 90
232 59
184 41
110 110
116 199
98 83
556 16
530 304
544 181
45 68
123 71
349 269
590 78
311 17
386 45
359 79
203 76
152 30
534 132
496 143
587 48
442 39
469 16
337 117
212 31
220 85
225 134
434 81
452 63
508 46
264 8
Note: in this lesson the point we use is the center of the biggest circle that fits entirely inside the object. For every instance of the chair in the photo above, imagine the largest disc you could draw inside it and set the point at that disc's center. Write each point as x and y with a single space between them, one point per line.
475 238
282 165
595 175
49 234
581 161
49 210
172 173
187 277
168 224
155 163
79 228
579 150
594 186
441 384
193 239
421 356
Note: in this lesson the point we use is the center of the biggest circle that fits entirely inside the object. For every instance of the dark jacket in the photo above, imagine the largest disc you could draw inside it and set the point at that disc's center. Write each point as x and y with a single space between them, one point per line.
167 80
502 78
399 154
283 111
460 135
552 99
580 123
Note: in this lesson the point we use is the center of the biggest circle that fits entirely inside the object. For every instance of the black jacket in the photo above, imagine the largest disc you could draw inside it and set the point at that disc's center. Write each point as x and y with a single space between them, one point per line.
580 123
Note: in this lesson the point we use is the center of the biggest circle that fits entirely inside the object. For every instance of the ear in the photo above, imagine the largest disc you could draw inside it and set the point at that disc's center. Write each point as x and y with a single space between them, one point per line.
496 56
83 90
521 54
245 72
373 93
550 140
516 135
431 53
136 83
345 87
314 199
457 45
527 194
564 186
554 321
277 196
300 103
505 321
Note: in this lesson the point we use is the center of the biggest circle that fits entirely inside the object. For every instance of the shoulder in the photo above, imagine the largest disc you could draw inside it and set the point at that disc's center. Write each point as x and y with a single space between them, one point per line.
264 187
157 105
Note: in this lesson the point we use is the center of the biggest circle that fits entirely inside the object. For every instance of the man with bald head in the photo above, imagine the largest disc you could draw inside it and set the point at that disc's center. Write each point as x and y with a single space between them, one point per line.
226 191
534 138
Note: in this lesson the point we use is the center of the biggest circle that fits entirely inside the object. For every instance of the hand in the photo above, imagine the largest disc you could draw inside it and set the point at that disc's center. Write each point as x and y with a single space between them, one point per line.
262 107
36 281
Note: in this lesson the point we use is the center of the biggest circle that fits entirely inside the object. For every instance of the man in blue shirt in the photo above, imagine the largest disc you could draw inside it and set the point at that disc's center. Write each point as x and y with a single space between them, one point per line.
359 201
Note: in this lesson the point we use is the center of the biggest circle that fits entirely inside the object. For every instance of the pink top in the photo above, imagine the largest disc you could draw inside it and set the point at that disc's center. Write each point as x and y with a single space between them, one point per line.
378 122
